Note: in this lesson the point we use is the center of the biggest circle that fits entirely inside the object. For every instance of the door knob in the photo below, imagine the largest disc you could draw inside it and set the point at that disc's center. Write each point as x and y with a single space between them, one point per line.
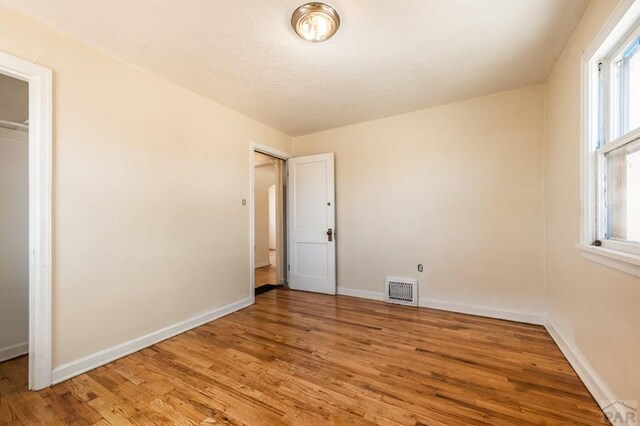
330 234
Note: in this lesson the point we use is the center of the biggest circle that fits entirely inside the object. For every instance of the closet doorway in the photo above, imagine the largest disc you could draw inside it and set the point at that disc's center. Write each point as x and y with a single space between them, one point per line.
14 227
25 249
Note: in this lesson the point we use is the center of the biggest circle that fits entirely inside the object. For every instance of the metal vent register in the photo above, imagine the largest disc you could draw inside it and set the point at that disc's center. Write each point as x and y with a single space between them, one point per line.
403 291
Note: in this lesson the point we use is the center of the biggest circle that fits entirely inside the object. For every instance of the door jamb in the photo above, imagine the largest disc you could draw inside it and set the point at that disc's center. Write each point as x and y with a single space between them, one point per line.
40 227
264 149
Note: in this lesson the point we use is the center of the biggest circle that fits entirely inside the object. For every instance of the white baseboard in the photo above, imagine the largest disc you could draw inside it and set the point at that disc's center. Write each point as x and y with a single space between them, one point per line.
14 351
103 357
363 294
263 264
529 318
598 387
525 317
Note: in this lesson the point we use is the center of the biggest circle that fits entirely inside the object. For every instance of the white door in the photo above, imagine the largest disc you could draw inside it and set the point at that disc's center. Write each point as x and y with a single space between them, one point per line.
311 217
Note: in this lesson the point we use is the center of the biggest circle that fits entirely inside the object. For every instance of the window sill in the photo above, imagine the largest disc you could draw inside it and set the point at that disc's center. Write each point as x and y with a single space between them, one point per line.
622 261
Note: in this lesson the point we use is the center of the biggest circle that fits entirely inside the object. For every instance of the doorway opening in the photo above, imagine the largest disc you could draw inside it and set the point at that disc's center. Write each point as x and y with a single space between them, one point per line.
14 229
25 222
268 222
305 244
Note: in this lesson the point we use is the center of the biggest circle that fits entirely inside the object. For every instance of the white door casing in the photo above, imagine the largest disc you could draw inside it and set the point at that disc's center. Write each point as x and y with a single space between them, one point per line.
311 217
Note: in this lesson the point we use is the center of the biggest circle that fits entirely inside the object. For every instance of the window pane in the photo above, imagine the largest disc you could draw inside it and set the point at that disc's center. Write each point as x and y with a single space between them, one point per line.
634 90
623 193
625 100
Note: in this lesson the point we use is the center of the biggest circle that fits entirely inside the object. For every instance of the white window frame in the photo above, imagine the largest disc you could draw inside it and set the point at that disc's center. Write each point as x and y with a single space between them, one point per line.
617 34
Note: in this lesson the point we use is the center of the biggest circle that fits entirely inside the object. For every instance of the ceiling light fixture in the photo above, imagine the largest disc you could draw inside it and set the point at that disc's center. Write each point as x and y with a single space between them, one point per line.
315 22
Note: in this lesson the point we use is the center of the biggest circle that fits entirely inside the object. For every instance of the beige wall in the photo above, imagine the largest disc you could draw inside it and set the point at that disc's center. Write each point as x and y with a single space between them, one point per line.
265 177
595 309
457 188
14 238
149 228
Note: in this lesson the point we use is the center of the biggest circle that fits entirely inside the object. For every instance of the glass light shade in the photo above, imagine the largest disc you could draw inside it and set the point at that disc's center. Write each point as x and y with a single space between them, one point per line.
315 22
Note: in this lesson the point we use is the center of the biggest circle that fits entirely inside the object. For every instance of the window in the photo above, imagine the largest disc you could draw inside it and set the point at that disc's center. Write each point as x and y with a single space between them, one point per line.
611 211
618 147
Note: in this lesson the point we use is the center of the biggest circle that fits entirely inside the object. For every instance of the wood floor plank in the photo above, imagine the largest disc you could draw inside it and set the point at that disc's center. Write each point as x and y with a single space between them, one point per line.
307 359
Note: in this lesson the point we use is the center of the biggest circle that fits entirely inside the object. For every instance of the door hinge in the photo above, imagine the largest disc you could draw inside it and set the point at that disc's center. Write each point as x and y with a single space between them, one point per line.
288 267
599 66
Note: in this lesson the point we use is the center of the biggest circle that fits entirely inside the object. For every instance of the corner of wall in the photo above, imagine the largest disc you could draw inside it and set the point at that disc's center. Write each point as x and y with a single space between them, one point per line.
545 278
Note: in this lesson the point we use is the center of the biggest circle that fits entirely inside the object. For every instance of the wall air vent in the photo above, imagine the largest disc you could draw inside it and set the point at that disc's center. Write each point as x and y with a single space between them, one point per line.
403 291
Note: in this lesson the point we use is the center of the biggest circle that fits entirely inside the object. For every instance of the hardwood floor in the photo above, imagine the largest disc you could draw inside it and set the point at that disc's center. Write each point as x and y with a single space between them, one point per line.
267 274
309 359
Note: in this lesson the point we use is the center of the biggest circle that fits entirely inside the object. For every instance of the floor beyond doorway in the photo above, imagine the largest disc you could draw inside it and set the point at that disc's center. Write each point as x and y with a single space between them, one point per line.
267 274
304 358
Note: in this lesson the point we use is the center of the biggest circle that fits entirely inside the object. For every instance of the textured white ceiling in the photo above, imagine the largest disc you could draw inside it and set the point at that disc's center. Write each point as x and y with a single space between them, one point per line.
389 56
